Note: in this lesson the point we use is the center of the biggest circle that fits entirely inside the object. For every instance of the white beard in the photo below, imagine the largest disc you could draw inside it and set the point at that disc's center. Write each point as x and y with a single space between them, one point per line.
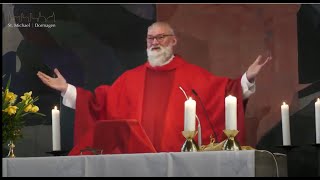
159 57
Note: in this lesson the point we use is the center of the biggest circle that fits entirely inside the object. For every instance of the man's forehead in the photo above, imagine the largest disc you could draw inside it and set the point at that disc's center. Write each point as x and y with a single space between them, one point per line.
158 30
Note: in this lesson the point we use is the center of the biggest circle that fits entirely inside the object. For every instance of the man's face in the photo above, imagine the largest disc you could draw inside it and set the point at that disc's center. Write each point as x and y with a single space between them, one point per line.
159 36
160 42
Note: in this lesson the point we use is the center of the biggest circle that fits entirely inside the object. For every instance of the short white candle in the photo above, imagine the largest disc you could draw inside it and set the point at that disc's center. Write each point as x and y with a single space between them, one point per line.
317 112
56 145
190 115
231 112
285 124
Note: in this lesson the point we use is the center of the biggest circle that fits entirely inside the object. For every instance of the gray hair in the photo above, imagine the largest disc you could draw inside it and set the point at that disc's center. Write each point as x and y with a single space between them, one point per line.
162 24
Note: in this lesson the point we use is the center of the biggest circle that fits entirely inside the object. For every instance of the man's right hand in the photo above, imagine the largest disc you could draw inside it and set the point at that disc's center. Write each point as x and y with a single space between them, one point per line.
58 83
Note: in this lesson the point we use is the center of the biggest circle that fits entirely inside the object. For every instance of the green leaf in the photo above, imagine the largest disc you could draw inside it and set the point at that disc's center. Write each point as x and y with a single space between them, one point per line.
8 83
40 114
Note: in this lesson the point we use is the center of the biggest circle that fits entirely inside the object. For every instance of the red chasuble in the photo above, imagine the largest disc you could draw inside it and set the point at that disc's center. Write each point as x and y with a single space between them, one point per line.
151 96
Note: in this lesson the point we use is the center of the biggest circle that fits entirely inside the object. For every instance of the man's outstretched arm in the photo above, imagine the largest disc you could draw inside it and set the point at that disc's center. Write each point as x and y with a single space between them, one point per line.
248 78
68 91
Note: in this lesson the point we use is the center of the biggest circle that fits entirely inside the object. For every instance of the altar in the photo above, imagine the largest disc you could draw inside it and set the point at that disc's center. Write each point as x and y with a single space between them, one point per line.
244 163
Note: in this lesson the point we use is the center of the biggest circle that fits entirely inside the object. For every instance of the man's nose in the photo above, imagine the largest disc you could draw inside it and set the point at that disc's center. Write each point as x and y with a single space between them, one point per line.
155 41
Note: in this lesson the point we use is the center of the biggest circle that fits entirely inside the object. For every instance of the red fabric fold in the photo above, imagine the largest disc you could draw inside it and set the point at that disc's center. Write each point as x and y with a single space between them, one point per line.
115 137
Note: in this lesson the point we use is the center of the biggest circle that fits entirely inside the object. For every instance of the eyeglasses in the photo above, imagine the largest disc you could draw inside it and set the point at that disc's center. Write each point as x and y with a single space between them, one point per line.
159 37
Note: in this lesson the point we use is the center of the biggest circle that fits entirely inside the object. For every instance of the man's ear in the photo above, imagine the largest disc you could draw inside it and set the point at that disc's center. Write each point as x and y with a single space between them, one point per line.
175 40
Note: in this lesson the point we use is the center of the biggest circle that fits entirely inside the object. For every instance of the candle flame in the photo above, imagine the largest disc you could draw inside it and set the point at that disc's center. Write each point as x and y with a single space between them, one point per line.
318 100
283 103
190 98
55 108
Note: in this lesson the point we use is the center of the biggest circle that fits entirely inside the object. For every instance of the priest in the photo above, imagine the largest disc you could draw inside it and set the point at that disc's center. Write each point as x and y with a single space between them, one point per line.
152 95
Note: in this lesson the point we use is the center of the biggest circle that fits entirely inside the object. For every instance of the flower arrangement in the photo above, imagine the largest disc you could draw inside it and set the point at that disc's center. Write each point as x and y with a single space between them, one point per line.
13 113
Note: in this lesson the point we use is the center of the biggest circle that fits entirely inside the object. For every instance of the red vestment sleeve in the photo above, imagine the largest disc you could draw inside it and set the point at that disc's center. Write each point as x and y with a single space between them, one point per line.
89 108
212 90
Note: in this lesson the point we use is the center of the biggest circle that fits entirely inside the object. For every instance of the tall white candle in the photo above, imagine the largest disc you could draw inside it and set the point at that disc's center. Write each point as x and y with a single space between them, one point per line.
285 124
56 145
190 115
317 112
231 112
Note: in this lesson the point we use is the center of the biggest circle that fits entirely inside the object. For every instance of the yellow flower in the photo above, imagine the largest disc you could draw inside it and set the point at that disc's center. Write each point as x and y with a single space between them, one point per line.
13 99
35 109
26 96
11 110
10 97
28 108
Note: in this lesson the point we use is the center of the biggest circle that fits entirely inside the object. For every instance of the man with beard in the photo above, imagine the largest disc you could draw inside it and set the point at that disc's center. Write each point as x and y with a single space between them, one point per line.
151 94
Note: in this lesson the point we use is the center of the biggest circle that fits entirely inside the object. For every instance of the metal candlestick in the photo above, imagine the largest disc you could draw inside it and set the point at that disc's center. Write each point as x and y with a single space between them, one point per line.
231 144
189 145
